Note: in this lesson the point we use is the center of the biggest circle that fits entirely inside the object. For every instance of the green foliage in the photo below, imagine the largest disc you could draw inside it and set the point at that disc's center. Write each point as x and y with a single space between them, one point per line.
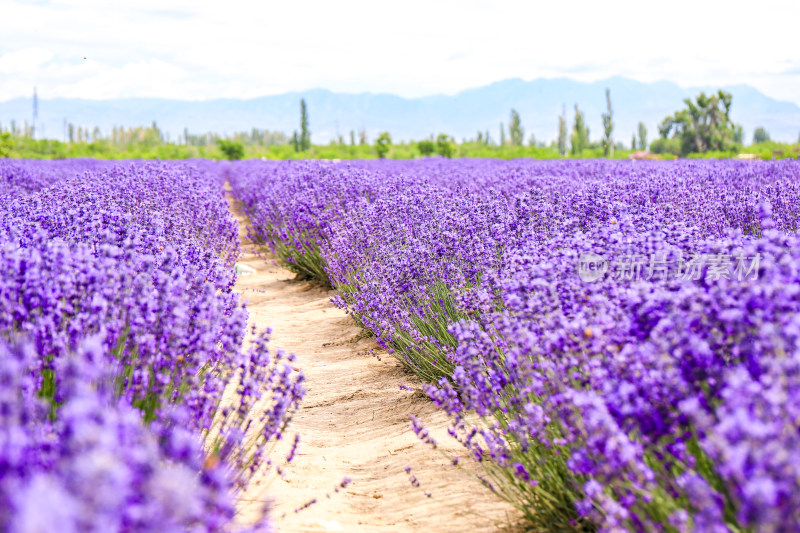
515 129
502 135
475 149
704 125
773 150
304 140
428 358
426 147
105 149
303 257
666 146
608 128
642 136
633 142
579 140
5 144
445 145
149 142
233 150
254 137
383 144
760 135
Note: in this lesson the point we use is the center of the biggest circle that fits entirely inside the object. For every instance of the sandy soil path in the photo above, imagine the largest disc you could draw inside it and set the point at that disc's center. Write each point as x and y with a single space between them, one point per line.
355 422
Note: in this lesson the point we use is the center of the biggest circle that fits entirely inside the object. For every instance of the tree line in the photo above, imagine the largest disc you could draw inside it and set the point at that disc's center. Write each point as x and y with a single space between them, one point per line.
703 126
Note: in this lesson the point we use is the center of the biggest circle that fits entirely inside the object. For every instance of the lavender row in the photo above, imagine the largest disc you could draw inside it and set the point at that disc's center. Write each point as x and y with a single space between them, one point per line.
613 397
121 335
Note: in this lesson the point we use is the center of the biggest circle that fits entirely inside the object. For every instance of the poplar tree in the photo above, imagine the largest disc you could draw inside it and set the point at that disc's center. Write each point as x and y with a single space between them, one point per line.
515 129
305 134
562 133
579 140
608 127
642 136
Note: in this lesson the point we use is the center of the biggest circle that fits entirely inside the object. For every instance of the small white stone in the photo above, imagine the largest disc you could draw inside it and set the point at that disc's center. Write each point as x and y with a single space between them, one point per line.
244 270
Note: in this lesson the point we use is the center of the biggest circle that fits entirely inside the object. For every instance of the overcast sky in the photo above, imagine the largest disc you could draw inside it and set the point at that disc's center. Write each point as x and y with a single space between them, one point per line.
191 49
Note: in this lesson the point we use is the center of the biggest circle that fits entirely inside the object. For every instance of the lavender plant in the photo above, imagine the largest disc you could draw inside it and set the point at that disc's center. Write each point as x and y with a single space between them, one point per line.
639 399
135 262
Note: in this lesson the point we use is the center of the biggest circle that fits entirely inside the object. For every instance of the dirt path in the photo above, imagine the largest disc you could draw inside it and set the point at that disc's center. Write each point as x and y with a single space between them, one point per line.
355 422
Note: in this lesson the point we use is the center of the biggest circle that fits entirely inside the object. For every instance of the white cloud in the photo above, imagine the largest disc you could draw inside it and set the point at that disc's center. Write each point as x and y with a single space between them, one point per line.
194 49
26 61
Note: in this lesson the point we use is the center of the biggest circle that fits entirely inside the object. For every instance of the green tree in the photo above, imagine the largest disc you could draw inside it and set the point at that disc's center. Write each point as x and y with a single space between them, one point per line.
445 146
502 135
705 125
760 135
296 141
305 134
515 129
579 140
383 144
352 138
362 137
562 133
738 134
642 136
633 142
426 147
608 127
233 150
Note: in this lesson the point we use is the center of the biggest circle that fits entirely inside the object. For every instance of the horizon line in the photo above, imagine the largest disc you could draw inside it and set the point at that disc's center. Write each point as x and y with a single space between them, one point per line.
373 93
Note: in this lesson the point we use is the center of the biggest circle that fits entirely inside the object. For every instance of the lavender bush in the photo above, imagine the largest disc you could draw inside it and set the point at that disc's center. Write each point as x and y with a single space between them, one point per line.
657 392
123 336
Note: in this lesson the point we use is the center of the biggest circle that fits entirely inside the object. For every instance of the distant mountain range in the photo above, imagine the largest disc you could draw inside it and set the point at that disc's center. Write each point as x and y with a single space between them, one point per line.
462 115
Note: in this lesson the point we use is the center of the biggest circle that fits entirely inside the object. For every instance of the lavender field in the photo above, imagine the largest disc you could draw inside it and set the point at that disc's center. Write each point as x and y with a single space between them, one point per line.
616 344
625 332
120 333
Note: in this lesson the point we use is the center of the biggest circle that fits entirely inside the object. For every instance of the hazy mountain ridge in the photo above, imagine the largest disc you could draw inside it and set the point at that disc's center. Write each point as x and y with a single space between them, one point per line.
538 101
